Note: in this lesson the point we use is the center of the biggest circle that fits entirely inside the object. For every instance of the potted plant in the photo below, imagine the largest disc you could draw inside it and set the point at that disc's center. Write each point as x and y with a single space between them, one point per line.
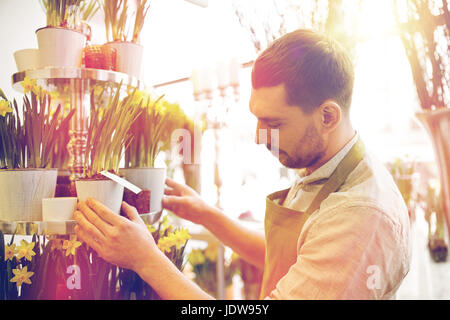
424 28
27 148
42 269
204 266
434 215
151 133
402 171
108 135
117 24
62 40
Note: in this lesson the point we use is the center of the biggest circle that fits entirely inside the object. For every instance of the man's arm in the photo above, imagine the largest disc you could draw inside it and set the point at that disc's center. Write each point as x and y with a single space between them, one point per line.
187 204
128 244
167 280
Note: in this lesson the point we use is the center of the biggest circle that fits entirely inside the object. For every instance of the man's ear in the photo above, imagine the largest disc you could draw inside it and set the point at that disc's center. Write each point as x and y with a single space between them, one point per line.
330 115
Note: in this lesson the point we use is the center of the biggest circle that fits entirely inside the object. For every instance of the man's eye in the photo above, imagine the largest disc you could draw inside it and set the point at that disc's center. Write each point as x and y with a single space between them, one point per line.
274 125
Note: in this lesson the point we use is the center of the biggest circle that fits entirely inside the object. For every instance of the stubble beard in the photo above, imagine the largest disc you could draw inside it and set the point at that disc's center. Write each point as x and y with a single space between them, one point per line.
310 149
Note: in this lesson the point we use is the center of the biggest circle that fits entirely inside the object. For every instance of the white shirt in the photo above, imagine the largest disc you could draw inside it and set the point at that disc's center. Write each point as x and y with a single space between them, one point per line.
357 244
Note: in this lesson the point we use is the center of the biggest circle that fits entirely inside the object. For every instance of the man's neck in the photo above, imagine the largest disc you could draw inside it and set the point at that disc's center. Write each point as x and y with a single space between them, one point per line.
337 142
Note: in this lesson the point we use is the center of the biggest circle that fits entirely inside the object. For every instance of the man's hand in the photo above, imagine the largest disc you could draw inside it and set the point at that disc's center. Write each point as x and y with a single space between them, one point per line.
118 240
184 202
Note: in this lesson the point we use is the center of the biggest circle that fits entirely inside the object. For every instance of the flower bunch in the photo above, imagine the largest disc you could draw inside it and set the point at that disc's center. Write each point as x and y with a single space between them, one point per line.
152 130
204 266
402 170
109 131
176 239
170 241
435 217
12 153
30 139
67 13
16 265
25 250
117 22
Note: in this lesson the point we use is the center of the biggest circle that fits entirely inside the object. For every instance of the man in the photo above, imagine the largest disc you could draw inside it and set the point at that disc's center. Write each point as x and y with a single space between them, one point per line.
340 232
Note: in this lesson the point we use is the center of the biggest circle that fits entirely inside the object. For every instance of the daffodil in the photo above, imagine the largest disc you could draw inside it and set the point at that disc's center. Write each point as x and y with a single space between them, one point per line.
71 245
25 250
196 257
140 96
151 228
10 251
5 107
21 276
29 85
54 94
165 223
180 237
211 252
165 244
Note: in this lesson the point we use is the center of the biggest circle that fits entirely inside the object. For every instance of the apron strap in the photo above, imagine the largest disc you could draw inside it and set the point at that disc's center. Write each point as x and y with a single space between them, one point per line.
339 175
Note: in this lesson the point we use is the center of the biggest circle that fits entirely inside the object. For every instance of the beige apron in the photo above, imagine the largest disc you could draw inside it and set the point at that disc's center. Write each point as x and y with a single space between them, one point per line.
283 225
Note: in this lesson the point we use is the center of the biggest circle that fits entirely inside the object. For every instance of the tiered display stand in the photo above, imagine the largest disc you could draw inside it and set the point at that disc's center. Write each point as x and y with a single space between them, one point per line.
80 82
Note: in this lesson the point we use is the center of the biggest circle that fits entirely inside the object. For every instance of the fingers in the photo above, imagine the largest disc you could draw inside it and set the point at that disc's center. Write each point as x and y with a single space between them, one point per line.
131 212
87 228
172 202
175 185
93 217
104 213
178 189
88 238
171 192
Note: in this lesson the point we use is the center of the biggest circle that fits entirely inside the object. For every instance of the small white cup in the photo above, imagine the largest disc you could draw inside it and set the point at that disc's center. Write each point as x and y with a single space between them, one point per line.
27 59
58 209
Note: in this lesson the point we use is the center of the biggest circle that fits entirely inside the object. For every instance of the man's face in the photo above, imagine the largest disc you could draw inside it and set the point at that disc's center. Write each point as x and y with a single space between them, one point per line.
300 144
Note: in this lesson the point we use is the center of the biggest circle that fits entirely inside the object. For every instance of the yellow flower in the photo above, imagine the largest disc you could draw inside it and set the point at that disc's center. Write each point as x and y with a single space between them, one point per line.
140 96
180 237
165 223
10 251
165 244
29 85
5 107
196 257
71 245
54 94
25 250
151 228
21 276
211 252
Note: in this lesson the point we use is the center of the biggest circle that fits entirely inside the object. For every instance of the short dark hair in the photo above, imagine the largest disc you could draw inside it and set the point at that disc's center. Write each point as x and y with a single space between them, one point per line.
312 66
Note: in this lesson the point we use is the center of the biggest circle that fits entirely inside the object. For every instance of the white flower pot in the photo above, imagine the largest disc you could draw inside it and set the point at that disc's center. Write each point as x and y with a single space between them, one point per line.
152 179
128 57
107 192
58 209
27 59
22 191
60 47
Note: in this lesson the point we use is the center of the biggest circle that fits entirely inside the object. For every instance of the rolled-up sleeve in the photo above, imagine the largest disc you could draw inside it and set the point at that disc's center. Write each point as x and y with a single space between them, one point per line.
353 253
